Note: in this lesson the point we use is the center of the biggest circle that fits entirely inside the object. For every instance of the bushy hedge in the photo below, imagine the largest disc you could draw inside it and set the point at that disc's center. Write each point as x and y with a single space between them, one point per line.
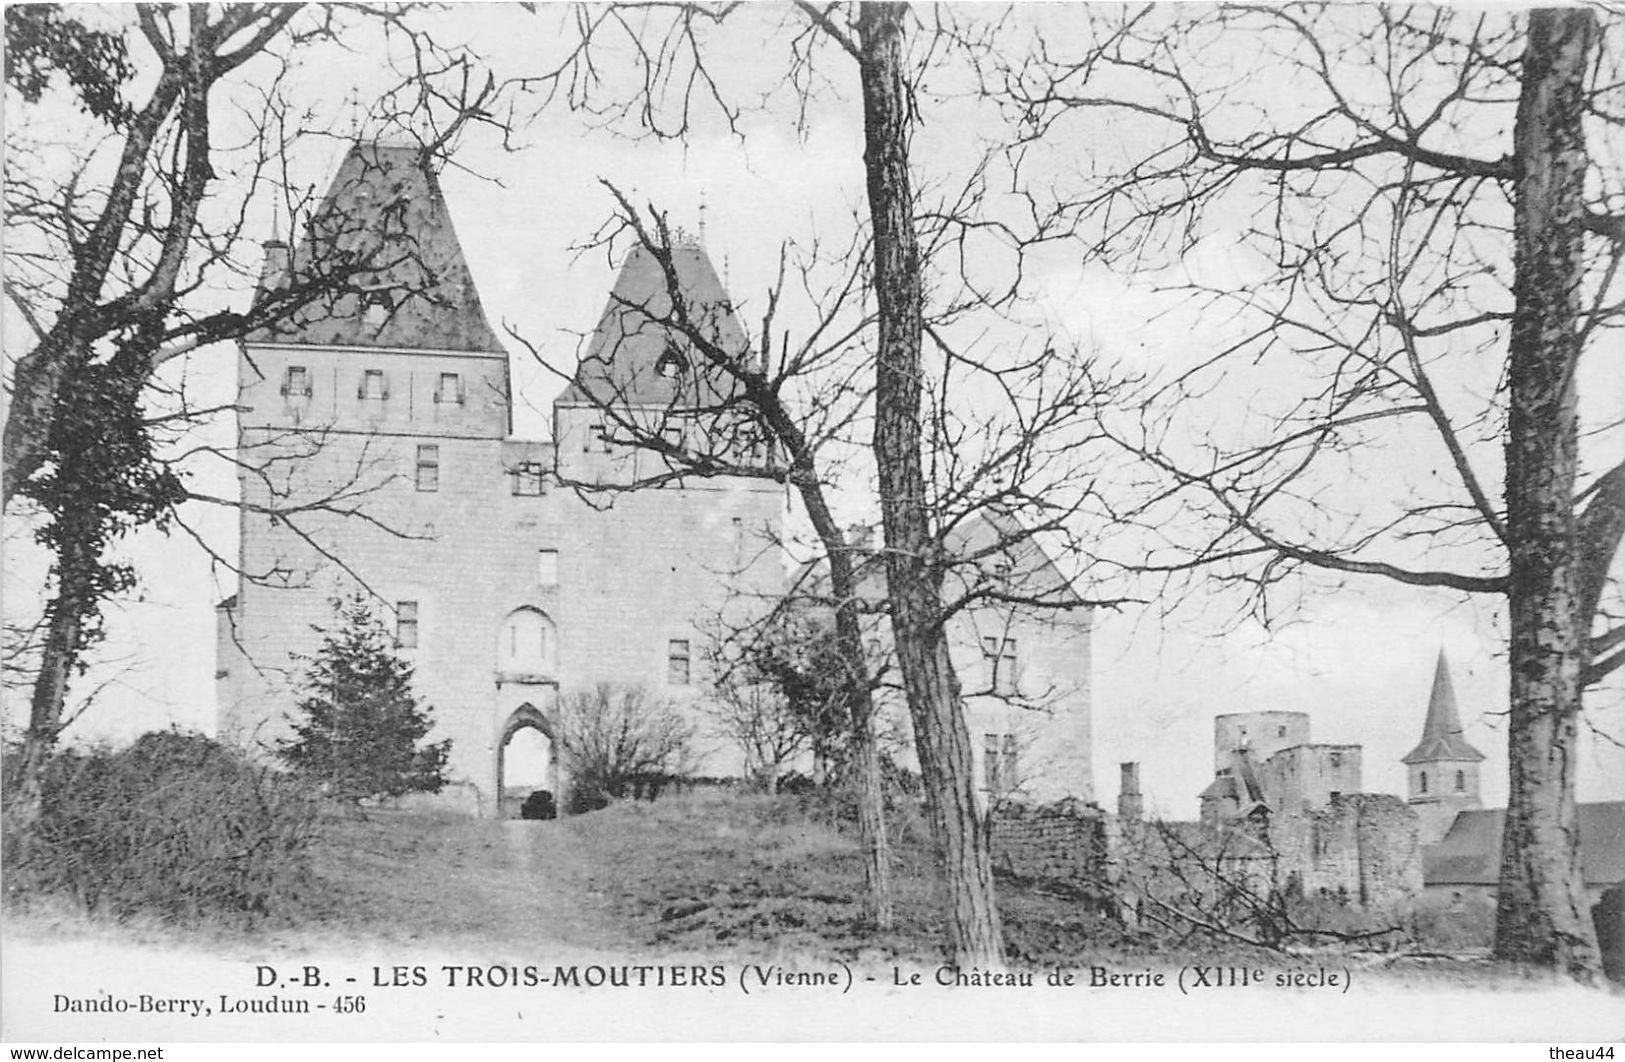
176 825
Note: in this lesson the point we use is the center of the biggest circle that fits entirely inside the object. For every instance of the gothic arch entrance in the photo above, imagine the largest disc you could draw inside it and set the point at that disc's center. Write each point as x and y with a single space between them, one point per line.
527 759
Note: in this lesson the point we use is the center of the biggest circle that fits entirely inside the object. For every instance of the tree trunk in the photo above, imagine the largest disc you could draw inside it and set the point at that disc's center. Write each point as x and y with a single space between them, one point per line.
864 766
912 568
64 638
1541 914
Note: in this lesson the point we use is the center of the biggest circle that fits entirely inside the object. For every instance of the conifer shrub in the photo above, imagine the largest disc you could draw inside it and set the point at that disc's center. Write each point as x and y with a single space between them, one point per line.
360 731
176 825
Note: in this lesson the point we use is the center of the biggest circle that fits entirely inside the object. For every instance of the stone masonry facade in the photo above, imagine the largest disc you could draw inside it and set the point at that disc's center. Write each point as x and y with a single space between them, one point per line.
516 572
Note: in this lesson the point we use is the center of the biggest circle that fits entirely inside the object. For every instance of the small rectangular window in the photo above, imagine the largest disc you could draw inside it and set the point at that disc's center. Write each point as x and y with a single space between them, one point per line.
449 389
677 661
547 567
991 778
428 476
406 624
297 382
597 441
374 385
529 480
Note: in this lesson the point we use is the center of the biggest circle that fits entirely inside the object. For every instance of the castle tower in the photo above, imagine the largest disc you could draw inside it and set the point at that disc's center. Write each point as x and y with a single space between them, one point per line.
642 375
375 454
371 423
1443 767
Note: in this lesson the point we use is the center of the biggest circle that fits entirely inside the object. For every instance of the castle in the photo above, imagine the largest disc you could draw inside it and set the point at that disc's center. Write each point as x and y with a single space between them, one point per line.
376 451
1265 764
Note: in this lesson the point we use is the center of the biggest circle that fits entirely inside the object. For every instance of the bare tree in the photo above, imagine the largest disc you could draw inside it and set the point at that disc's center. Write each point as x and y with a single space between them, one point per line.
913 559
731 412
1430 233
1014 460
113 257
618 740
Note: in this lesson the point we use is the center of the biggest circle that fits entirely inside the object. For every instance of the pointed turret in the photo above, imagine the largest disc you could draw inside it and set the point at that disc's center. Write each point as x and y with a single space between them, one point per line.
637 358
1441 735
1443 767
382 249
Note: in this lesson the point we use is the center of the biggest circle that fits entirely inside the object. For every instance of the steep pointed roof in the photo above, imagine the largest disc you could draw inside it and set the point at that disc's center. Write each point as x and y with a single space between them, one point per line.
1441 734
382 241
636 359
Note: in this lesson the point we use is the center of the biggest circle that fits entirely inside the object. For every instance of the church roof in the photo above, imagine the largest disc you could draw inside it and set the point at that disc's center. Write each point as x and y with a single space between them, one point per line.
384 214
1470 853
635 358
1441 734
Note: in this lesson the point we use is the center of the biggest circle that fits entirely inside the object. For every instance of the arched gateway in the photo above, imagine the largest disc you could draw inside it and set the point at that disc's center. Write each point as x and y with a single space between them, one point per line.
528 718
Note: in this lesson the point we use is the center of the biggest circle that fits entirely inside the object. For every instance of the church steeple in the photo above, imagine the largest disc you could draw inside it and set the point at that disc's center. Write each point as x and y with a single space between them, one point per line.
1441 733
1443 767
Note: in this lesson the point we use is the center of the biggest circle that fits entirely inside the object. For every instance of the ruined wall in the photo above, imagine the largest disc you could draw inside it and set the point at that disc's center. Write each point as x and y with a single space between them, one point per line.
1362 847
1064 841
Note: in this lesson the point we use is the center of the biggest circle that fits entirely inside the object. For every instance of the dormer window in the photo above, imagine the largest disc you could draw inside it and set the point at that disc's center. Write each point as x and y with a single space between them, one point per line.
449 389
376 307
671 362
374 386
296 382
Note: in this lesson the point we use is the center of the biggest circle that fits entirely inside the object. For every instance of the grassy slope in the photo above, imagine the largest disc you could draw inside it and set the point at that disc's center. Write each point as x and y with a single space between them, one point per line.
710 874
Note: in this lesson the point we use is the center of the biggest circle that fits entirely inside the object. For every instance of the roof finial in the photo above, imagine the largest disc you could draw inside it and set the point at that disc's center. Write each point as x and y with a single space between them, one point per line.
702 217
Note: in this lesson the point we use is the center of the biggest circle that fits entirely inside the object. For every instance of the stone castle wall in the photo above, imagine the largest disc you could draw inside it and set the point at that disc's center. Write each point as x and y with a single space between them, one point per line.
1064 841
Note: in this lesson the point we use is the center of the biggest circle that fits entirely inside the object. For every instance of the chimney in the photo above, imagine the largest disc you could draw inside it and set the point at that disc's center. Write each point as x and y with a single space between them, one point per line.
1130 806
274 272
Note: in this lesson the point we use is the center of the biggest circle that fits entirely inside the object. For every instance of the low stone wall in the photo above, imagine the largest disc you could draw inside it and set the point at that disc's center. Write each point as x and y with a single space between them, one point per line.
1063 842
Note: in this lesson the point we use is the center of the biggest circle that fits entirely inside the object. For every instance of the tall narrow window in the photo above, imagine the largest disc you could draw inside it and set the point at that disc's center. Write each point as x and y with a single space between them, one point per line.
547 567
374 385
1424 781
1461 782
450 388
991 777
428 477
529 480
297 382
1011 767
677 661
406 624
999 654
526 644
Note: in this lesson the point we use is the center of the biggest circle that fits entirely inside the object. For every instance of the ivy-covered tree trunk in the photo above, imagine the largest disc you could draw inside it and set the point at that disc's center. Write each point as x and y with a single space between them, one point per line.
913 570
58 658
1542 916
101 483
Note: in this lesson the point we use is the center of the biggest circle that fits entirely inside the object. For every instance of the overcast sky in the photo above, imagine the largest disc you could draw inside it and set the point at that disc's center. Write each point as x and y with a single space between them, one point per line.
1359 659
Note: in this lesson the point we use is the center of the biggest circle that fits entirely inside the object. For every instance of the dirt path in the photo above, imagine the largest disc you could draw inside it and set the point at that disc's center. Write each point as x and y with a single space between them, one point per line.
497 884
